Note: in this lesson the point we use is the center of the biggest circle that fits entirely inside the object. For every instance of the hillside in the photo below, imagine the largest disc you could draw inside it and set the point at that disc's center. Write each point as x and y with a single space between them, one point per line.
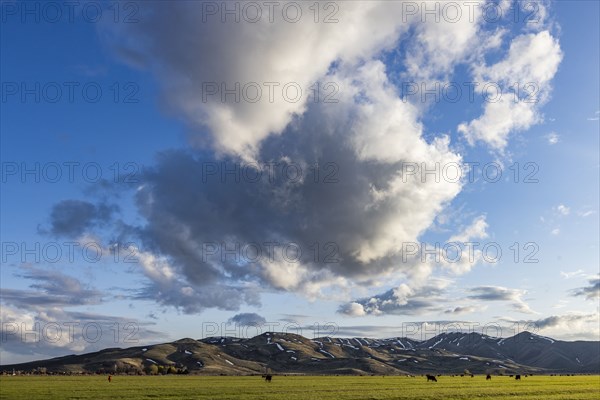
286 353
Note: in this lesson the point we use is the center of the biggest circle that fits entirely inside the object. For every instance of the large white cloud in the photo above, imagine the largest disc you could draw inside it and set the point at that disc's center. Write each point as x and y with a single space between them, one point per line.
523 78
368 133
188 48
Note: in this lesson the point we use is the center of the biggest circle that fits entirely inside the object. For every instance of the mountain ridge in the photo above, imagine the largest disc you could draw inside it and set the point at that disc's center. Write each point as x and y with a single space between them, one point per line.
288 353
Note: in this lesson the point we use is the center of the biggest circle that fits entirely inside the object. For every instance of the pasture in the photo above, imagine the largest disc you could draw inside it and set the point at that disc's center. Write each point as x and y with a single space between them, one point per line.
297 387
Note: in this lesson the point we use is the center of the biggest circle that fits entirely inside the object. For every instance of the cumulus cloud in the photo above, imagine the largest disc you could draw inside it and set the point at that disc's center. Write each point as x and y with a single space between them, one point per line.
532 62
50 332
499 293
359 220
217 240
352 309
441 43
402 300
570 326
173 40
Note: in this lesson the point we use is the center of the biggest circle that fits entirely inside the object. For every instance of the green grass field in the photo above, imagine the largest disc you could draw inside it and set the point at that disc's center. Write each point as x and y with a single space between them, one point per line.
292 388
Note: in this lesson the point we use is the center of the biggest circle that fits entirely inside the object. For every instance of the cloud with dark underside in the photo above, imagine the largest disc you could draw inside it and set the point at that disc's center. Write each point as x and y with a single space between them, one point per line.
71 218
54 331
499 293
461 310
558 320
247 319
591 292
402 300
361 206
569 326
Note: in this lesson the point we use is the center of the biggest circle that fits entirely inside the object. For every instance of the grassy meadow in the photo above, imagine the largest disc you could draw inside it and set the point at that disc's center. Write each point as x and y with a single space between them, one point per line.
297 387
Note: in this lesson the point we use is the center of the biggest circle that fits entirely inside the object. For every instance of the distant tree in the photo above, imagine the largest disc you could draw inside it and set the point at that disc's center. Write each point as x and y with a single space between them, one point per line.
152 369
171 370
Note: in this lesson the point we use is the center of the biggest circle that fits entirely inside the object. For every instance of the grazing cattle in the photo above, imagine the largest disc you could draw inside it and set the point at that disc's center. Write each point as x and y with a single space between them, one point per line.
517 377
431 378
268 378
472 376
110 378
488 377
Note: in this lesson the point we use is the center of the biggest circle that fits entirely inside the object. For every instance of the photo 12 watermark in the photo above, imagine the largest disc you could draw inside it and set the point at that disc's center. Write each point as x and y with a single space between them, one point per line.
54 12
69 92
70 332
70 252
270 92
69 172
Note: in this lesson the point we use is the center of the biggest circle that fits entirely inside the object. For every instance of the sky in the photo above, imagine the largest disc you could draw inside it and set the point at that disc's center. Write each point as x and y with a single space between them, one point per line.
182 169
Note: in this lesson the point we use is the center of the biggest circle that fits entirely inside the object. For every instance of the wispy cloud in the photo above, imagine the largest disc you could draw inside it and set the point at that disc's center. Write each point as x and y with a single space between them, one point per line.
590 292
571 274
499 293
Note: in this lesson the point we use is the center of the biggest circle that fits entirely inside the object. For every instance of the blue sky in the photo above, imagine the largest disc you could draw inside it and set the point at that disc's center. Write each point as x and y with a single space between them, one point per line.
154 130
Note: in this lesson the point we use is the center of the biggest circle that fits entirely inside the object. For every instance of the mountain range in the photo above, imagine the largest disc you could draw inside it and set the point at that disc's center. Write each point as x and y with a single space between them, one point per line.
288 353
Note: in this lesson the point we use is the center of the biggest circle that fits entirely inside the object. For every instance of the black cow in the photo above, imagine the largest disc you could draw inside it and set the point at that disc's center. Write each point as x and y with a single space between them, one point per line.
431 378
517 377
488 377
268 378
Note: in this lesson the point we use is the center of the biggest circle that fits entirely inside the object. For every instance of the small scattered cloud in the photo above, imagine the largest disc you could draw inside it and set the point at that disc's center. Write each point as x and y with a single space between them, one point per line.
562 209
552 138
596 116
555 231
72 218
461 310
569 275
